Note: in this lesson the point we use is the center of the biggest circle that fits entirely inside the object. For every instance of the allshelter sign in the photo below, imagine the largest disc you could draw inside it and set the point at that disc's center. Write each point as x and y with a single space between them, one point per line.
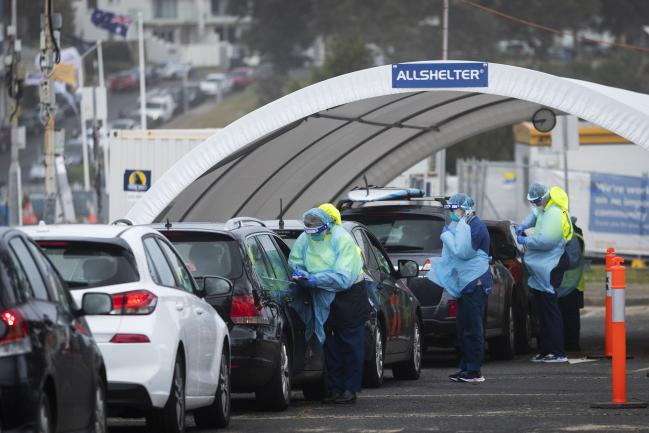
440 75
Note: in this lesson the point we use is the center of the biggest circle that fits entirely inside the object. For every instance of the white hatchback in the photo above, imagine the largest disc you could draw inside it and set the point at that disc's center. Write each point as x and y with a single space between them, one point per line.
166 350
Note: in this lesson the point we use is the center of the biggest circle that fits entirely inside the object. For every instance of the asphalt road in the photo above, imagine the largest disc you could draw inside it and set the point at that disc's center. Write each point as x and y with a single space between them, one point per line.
518 396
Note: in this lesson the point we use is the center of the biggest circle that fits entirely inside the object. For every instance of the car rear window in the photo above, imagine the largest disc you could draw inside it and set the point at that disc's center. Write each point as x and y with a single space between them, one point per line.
411 234
85 265
208 254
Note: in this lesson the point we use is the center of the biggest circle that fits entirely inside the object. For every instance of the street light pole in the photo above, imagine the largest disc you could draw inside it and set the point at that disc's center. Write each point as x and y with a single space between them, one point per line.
441 154
140 28
15 200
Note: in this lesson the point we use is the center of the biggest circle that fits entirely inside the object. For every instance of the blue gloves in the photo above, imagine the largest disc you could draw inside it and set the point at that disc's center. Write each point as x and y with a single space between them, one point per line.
307 283
445 229
299 274
520 229
522 240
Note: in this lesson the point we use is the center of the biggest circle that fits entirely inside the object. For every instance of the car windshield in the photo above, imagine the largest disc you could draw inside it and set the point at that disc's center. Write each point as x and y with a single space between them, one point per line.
405 234
84 265
208 254
154 105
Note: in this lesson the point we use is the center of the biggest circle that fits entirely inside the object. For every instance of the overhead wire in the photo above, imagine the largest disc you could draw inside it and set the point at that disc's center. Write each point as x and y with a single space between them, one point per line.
549 29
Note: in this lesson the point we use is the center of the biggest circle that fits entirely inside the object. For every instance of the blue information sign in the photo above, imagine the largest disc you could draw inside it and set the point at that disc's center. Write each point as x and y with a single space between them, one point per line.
619 204
431 75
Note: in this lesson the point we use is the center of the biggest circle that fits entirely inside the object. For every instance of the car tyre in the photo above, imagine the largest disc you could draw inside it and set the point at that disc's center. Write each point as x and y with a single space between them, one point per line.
217 414
276 395
98 422
44 416
171 418
373 371
502 347
411 368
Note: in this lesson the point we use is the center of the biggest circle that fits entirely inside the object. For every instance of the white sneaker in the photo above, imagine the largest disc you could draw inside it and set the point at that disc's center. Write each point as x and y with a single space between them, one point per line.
551 358
538 358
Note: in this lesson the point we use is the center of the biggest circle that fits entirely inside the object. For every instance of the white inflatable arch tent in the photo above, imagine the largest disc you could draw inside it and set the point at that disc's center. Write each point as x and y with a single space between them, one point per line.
313 145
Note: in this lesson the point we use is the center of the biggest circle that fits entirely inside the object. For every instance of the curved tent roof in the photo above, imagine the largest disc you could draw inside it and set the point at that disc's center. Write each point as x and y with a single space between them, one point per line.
313 145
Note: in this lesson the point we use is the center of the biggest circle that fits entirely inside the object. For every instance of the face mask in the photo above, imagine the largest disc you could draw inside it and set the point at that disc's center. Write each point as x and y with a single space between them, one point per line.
317 237
454 217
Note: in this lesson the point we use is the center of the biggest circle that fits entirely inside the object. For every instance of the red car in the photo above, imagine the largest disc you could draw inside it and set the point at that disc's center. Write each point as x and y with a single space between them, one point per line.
242 77
127 80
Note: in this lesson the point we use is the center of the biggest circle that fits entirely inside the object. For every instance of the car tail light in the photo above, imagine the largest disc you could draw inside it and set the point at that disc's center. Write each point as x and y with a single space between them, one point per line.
452 309
244 311
130 338
15 340
135 302
427 266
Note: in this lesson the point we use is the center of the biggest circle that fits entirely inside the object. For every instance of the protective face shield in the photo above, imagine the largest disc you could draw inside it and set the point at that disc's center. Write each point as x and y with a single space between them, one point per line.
456 211
538 195
314 227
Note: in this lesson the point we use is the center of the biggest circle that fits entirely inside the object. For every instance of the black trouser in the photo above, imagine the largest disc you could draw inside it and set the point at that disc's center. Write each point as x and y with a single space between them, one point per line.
570 306
550 323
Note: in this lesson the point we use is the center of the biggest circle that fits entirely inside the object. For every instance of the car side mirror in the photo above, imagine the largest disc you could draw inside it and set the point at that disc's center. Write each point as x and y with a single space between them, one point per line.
95 304
216 286
408 268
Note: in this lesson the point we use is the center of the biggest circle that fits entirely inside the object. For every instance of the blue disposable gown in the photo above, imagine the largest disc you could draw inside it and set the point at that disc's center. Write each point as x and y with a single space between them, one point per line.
460 263
335 263
544 248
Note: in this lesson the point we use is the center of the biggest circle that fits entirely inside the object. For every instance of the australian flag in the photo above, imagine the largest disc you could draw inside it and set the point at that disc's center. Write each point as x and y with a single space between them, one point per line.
116 24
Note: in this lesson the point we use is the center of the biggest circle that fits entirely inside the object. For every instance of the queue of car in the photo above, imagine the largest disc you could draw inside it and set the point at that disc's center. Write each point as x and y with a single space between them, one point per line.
160 321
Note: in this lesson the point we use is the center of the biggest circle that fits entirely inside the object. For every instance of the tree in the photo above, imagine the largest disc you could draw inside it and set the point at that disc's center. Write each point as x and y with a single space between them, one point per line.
345 53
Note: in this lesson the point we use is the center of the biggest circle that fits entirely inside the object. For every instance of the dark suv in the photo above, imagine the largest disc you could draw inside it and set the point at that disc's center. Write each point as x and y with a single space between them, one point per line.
411 229
396 341
243 268
52 375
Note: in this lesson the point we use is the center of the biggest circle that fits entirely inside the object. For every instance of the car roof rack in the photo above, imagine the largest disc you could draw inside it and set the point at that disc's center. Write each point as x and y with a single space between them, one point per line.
237 223
372 194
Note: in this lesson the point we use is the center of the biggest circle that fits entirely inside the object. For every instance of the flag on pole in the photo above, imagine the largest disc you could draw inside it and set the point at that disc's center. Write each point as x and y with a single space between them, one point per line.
116 24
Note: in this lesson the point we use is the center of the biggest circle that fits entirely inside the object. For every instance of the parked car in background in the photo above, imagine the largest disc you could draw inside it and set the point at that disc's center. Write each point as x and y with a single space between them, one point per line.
123 123
37 170
125 80
215 84
174 70
396 339
411 229
242 77
159 109
52 375
166 350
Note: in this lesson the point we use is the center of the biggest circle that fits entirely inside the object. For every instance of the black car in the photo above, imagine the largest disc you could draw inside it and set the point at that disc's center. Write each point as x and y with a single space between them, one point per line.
52 375
411 229
269 353
396 341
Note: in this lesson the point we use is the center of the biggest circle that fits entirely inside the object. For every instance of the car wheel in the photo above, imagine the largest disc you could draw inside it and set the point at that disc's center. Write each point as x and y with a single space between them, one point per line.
502 347
411 369
98 424
218 413
276 395
523 330
315 391
44 415
171 418
373 371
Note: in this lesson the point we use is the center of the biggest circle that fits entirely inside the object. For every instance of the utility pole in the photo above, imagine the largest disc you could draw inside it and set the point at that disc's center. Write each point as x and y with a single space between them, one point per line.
140 29
14 89
441 154
50 56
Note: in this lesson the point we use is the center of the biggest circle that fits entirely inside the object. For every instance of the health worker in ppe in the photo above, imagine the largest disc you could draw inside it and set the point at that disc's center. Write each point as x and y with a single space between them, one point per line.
327 262
545 261
463 271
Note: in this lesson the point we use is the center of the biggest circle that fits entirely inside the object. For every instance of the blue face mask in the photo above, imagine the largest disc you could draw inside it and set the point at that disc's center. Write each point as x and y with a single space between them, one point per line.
454 217
316 237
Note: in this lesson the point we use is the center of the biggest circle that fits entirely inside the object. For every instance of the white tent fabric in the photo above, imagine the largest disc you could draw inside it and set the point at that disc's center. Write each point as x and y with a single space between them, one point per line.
314 144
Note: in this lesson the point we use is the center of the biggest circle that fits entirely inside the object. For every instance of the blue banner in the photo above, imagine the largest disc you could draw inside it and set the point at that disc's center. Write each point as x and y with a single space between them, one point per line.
435 75
619 204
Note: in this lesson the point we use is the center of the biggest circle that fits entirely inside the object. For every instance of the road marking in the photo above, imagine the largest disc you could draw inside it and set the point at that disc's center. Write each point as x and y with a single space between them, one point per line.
608 428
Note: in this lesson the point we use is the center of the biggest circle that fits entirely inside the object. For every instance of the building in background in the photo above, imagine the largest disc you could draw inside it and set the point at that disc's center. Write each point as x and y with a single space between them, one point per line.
198 32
